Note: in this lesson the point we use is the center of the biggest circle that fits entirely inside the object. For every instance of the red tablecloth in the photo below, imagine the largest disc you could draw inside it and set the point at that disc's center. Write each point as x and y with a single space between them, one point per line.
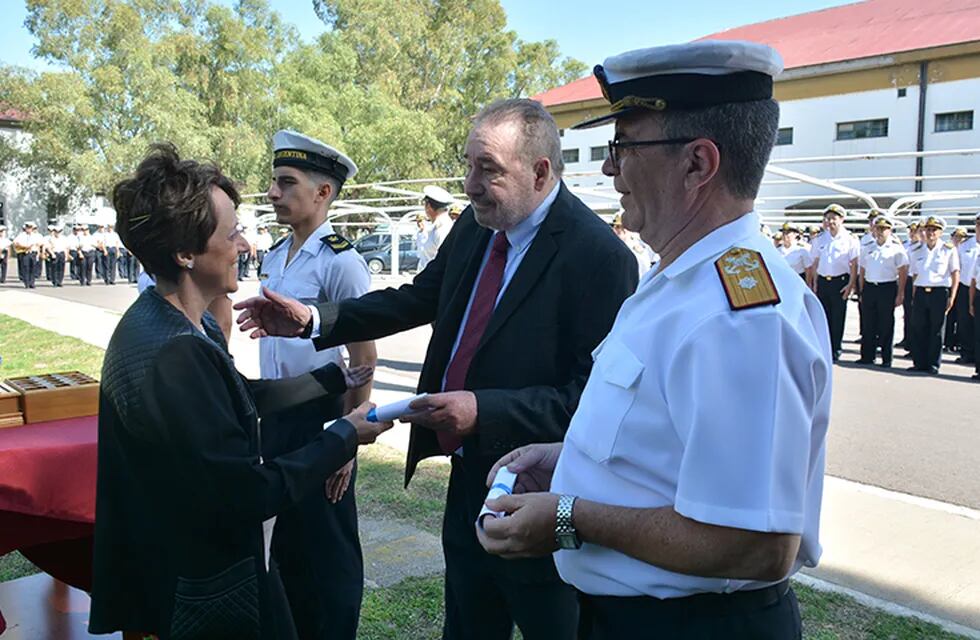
47 496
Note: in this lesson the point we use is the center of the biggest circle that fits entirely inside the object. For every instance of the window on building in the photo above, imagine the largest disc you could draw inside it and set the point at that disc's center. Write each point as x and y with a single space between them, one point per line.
561 133
862 129
599 154
955 121
784 136
569 156
903 92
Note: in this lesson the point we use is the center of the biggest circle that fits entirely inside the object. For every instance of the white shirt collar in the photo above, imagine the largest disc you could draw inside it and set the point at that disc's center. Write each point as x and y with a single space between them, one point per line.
313 244
522 234
714 244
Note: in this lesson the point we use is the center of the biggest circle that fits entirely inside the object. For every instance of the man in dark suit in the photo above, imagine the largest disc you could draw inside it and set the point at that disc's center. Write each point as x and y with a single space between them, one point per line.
523 289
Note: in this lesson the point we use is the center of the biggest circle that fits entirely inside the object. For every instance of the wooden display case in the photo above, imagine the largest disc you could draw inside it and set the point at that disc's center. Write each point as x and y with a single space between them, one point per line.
56 396
10 412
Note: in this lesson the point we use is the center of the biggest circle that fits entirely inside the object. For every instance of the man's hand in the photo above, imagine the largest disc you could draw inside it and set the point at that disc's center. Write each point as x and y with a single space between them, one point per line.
272 315
846 291
338 483
527 531
950 304
367 431
533 464
358 376
453 411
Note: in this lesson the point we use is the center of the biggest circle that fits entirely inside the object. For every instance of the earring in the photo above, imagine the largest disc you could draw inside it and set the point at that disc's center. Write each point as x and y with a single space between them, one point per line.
189 265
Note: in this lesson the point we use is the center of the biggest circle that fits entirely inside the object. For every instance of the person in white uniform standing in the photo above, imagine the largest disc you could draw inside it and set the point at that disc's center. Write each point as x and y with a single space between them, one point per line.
689 484
437 225
935 267
833 257
796 253
316 544
969 251
884 267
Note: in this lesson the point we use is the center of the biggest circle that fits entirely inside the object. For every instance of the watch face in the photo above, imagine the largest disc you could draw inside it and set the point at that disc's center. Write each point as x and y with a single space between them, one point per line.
568 541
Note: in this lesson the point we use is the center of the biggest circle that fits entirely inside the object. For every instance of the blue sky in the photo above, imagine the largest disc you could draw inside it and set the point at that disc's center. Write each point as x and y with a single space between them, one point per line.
587 30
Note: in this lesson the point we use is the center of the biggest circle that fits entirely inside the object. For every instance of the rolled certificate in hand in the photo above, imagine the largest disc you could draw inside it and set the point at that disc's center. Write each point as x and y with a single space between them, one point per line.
503 485
393 411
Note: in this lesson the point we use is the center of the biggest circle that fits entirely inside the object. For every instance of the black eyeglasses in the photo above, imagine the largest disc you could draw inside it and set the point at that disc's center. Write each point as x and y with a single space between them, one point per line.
617 144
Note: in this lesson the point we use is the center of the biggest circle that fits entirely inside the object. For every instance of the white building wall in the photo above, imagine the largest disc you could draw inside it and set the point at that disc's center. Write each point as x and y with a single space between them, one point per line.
20 203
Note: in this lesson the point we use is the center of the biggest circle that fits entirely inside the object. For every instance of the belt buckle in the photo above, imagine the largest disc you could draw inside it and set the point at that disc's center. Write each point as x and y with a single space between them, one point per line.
828 278
928 289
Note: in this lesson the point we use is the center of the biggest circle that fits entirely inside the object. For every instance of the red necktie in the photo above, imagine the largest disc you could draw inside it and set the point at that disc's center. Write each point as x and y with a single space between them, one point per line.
487 290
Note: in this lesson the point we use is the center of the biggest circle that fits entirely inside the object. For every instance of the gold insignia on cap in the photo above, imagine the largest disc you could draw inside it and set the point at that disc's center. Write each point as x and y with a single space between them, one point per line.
629 102
746 279
292 153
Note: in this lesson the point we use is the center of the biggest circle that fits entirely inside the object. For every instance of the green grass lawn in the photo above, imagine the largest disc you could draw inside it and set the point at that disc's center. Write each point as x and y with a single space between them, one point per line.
413 608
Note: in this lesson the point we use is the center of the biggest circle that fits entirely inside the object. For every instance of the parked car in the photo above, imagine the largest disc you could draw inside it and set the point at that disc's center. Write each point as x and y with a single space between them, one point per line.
376 251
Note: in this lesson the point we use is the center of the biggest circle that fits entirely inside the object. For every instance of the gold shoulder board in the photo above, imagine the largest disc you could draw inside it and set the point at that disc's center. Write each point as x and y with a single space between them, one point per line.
337 243
746 279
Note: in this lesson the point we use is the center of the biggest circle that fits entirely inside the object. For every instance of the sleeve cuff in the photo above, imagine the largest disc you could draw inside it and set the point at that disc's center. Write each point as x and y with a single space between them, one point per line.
763 520
331 378
315 333
346 432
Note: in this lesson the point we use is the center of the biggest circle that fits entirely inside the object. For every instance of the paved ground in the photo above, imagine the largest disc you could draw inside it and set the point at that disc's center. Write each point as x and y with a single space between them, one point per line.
901 519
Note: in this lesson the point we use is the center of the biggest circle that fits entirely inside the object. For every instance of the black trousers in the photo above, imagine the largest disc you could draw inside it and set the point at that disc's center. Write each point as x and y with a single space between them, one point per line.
486 595
49 270
878 320
134 269
259 257
73 264
907 319
976 330
964 323
951 331
109 266
4 255
243 266
88 262
57 268
834 306
316 543
928 316
29 263
767 614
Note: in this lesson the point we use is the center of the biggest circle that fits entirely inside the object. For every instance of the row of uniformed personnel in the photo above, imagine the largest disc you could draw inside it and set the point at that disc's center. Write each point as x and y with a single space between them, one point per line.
934 281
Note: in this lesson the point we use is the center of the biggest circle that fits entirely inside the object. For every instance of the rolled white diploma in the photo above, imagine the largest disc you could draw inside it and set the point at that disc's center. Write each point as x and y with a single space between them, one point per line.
503 485
393 411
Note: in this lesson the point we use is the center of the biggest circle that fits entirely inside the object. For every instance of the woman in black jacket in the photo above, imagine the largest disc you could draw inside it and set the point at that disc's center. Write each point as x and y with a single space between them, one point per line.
185 501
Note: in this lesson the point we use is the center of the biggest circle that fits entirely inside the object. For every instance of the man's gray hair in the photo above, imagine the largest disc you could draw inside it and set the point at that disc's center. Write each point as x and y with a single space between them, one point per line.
745 132
538 128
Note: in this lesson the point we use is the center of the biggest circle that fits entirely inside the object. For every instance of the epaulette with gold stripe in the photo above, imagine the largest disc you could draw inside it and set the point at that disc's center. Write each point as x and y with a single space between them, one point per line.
337 243
746 279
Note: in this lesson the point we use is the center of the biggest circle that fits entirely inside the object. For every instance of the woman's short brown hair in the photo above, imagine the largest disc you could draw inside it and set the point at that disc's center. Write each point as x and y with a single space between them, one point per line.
165 208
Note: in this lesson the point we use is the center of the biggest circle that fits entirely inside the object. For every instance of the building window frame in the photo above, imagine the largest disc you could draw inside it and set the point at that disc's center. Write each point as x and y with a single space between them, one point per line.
570 156
950 121
599 154
861 129
784 136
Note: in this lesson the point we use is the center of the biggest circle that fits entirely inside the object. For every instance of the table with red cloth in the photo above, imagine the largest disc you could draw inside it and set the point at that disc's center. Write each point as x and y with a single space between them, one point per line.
47 496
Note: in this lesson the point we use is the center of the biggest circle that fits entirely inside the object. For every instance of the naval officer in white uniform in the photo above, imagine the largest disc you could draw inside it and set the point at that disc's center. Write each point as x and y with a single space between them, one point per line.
935 269
883 269
316 544
689 484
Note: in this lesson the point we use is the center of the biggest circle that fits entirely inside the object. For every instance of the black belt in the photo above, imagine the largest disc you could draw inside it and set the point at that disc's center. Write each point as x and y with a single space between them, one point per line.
696 605
843 275
931 289
880 284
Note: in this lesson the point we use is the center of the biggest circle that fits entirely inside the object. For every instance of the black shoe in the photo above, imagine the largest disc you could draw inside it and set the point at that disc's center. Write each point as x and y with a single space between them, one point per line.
885 365
965 360
914 369
932 371
975 376
864 361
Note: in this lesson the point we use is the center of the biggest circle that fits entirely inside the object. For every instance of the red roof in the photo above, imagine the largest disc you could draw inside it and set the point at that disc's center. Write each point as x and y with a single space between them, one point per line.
11 114
853 31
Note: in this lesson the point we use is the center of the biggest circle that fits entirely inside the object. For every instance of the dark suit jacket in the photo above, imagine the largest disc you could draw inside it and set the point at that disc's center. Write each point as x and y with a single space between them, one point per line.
535 356
181 492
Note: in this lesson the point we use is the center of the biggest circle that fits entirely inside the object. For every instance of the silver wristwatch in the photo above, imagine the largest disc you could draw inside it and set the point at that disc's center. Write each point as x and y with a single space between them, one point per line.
565 532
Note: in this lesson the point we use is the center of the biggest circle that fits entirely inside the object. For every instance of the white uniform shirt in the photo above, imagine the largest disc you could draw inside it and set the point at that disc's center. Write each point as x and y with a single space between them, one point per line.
976 275
263 241
882 262
32 241
73 242
934 267
834 253
60 244
87 242
720 414
797 255
430 238
969 251
315 274
5 243
111 240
